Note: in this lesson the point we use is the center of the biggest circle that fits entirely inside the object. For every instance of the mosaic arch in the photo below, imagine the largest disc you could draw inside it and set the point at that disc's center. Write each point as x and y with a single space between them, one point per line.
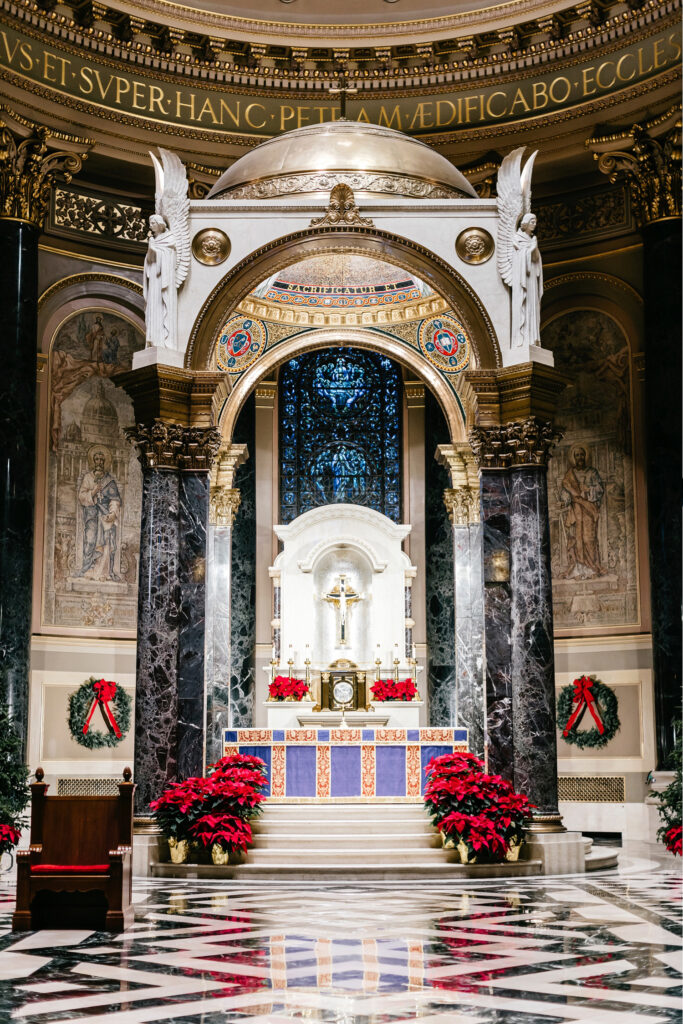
311 339
591 488
94 482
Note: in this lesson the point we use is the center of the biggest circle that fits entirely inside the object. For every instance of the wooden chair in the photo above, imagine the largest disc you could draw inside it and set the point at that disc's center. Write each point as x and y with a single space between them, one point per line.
77 872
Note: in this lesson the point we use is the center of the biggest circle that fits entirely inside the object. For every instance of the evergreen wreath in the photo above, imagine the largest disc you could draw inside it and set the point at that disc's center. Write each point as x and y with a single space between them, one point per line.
572 703
80 706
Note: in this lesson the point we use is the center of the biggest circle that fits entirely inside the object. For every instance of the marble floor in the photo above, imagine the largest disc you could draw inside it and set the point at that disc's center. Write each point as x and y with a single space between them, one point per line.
603 949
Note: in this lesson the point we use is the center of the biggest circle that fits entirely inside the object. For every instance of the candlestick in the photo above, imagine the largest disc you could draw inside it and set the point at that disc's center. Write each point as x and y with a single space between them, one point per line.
396 663
378 664
273 663
290 662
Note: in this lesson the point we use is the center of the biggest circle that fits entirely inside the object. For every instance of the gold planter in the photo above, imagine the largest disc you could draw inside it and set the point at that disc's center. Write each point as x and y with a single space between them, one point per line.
464 853
178 849
513 851
446 841
219 855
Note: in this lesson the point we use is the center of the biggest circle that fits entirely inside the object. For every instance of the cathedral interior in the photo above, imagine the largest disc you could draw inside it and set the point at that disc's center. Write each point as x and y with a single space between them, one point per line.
342 347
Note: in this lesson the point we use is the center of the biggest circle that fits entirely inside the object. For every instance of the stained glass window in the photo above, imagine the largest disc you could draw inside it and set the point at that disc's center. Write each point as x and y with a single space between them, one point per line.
340 432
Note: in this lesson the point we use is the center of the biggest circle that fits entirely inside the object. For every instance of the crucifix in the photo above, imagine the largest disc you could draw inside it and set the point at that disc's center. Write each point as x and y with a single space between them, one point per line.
342 596
343 90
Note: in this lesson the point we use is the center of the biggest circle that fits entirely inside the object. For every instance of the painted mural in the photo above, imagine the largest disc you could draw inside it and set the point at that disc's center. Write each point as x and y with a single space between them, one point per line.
94 482
590 479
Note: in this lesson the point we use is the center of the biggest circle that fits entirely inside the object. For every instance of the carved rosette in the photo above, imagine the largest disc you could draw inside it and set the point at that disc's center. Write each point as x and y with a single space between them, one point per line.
528 442
172 446
652 169
28 170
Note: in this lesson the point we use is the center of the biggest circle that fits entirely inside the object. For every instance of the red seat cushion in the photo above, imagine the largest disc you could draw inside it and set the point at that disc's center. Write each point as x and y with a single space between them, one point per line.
70 869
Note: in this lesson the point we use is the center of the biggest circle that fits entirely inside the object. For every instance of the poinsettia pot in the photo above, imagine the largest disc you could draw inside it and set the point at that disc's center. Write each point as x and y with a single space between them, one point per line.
512 852
219 855
178 849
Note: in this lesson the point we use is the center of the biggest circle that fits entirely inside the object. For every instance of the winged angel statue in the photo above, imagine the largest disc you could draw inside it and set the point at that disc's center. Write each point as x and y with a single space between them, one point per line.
168 250
519 258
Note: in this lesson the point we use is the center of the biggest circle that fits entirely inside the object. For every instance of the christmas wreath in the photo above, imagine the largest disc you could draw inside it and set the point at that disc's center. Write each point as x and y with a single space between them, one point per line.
588 698
95 701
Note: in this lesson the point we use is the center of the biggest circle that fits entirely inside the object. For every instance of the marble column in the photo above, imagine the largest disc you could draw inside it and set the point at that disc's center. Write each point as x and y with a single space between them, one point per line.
462 504
494 492
169 704
224 503
243 585
439 575
27 171
525 448
648 158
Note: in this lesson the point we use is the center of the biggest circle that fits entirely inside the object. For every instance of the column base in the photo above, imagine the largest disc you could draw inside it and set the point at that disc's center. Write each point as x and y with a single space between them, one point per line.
559 853
545 823
148 847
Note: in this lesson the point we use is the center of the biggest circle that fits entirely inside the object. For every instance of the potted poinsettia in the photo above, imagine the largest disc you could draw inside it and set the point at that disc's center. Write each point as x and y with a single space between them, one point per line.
287 688
194 810
478 814
393 689
223 834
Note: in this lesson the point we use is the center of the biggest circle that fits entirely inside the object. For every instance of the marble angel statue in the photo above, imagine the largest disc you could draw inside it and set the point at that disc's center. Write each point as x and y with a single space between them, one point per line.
168 251
519 258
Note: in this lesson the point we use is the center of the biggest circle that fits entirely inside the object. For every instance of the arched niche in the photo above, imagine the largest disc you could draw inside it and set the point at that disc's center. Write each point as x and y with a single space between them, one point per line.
379 245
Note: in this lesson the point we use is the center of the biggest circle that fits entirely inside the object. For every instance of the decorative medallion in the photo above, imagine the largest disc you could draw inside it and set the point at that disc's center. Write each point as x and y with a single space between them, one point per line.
211 246
474 245
445 344
240 344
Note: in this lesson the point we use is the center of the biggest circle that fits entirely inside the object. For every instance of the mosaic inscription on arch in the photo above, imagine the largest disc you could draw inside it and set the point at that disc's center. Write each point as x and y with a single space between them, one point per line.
590 477
94 483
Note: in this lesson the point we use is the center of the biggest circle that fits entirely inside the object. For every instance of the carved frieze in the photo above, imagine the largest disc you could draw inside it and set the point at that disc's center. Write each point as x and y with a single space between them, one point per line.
527 442
172 446
600 213
98 216
392 184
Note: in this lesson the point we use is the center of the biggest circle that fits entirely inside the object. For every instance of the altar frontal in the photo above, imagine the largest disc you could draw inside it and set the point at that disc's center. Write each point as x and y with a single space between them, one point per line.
345 764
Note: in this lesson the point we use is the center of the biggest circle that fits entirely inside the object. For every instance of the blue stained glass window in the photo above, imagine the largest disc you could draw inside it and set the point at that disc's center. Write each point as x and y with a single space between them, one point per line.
340 432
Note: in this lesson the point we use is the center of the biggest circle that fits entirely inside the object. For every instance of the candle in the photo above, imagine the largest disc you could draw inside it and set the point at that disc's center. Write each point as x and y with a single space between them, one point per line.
414 653
274 653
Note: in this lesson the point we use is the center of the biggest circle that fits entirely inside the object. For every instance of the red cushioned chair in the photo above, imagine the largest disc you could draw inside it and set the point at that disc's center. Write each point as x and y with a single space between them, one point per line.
77 871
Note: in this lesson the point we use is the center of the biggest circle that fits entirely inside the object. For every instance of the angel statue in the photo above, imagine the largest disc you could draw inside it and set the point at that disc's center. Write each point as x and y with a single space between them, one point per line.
168 251
519 258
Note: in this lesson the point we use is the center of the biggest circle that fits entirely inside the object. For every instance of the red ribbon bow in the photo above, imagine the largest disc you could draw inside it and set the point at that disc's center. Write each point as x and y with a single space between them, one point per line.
105 691
584 698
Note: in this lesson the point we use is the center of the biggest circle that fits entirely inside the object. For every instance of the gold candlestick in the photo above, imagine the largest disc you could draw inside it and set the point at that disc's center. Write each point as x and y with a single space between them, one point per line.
413 662
307 663
290 663
396 664
273 663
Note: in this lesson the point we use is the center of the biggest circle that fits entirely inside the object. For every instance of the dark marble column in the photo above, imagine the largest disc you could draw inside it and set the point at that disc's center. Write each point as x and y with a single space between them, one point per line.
439 575
19 256
531 634
495 519
662 283
243 581
28 168
520 630
192 542
169 708
159 611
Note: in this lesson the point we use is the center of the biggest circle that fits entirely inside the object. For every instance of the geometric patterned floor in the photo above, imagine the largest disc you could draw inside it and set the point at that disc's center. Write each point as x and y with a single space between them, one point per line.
603 949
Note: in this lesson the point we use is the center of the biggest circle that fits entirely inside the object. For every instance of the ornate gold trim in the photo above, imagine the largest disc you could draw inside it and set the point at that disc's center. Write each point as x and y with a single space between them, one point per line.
342 211
173 446
528 442
85 278
297 316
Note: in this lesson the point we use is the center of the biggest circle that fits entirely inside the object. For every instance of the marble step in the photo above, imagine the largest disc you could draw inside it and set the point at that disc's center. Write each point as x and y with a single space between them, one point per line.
602 857
344 841
342 871
356 855
353 809
361 826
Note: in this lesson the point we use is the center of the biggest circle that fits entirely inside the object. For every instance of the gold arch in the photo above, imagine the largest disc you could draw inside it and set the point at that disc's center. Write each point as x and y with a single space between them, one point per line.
363 241
329 337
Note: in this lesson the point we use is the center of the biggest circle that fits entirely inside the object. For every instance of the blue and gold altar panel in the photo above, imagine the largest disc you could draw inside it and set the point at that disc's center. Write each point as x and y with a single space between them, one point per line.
345 764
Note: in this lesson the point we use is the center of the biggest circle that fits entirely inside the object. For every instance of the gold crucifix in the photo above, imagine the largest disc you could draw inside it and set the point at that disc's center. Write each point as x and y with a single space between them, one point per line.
341 596
343 90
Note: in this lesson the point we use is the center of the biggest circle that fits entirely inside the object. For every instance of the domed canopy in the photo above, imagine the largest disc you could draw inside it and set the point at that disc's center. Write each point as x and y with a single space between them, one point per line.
368 157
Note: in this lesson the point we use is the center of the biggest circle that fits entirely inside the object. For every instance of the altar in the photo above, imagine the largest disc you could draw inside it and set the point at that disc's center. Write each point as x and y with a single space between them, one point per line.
347 764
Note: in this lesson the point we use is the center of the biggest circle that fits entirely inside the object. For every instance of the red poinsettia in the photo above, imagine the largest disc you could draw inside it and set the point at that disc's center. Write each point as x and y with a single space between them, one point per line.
389 689
479 832
283 687
459 793
672 839
229 832
9 837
